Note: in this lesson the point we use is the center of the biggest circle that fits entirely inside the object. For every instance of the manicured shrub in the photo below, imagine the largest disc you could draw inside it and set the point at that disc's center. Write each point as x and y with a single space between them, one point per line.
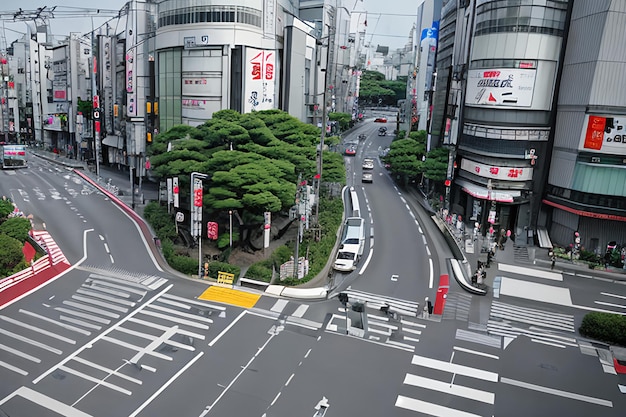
184 264
10 254
16 227
216 266
260 271
606 327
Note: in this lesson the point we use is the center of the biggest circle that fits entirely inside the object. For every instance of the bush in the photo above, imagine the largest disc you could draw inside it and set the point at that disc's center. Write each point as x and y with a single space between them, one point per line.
260 271
588 256
223 240
184 264
10 254
606 327
160 220
16 227
215 267
6 208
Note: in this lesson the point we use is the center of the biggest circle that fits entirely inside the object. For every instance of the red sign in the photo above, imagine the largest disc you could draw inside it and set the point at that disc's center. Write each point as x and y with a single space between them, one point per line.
197 197
147 164
96 102
212 230
176 189
595 132
28 251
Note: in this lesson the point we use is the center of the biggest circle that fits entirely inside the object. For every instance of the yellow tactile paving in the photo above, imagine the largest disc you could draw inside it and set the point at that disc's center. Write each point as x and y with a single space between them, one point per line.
230 296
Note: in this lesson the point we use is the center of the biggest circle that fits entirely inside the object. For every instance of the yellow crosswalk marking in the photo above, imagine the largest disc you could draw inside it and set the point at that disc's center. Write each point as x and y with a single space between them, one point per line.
230 296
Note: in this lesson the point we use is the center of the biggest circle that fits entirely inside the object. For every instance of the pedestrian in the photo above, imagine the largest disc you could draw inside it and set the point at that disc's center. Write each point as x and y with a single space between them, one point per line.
425 311
489 257
553 259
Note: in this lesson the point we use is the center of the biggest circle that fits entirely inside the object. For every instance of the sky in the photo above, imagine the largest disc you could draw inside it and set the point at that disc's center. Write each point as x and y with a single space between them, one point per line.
388 22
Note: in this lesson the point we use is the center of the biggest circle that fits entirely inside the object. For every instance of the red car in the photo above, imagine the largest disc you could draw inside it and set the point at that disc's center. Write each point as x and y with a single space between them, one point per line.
380 120
351 151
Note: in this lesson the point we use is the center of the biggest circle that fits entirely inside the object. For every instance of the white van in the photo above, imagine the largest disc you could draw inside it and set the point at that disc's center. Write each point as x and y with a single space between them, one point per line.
354 233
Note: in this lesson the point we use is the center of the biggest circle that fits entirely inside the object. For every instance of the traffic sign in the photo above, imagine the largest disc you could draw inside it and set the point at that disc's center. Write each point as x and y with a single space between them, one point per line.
197 197
180 217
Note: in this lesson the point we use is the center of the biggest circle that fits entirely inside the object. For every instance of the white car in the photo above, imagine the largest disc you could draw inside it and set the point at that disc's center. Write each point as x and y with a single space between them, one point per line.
346 259
367 177
368 163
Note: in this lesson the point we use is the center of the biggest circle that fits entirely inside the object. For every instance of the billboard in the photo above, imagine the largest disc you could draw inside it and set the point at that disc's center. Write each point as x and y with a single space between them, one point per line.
604 134
260 80
497 172
506 87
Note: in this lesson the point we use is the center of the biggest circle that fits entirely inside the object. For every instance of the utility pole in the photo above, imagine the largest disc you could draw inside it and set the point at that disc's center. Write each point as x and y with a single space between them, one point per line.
296 256
329 55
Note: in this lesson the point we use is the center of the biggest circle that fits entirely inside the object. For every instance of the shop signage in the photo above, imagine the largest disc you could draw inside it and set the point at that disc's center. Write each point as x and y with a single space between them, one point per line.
606 134
497 172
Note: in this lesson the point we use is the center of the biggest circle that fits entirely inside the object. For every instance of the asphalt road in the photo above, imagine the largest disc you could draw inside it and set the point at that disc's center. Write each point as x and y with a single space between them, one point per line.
116 336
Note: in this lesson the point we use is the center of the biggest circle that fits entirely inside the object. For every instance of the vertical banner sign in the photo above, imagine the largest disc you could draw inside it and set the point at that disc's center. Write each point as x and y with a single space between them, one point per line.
196 209
267 227
175 191
170 194
212 230
131 94
259 80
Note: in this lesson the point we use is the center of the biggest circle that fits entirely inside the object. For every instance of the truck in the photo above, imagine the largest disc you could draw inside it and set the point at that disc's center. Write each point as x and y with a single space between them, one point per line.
12 156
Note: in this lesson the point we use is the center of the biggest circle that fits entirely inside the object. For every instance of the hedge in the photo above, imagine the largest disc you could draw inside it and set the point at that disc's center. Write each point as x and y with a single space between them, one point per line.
606 327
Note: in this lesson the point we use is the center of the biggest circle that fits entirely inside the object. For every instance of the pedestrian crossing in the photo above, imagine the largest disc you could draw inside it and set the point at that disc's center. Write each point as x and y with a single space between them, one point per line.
542 326
133 322
375 301
467 380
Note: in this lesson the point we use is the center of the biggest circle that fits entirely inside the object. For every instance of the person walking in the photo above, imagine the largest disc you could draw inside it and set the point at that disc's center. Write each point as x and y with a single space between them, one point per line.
552 259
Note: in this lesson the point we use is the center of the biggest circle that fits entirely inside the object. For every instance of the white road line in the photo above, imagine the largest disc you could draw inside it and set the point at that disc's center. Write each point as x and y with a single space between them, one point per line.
164 328
537 273
429 408
135 348
167 384
181 314
608 294
404 346
30 341
100 336
158 341
13 368
110 306
412 331
152 338
411 323
300 310
547 343
454 368
107 370
475 352
200 303
38 330
279 305
410 339
80 323
91 309
105 289
556 392
176 320
101 281
46 402
610 304
367 261
19 353
384 333
96 294
58 323
174 303
83 315
431 277
95 380
450 389
223 332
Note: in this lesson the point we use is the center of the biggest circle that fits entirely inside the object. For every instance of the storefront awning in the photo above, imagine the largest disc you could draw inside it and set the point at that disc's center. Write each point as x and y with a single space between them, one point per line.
113 141
477 191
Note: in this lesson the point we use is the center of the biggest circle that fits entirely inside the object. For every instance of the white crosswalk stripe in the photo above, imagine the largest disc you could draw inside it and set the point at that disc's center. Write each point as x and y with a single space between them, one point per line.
428 375
375 301
542 326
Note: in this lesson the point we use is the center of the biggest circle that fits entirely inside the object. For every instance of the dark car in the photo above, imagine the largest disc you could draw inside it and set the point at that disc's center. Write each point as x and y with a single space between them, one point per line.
382 131
362 136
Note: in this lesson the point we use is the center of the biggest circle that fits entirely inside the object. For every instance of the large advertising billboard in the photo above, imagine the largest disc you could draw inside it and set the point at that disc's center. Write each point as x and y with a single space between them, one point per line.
260 80
505 87
604 134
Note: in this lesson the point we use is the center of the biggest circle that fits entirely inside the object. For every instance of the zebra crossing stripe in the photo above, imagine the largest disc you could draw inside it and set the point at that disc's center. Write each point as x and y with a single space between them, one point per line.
454 368
451 389
429 408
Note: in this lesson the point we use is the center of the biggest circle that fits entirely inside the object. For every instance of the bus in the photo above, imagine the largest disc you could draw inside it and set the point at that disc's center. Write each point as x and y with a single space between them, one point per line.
13 156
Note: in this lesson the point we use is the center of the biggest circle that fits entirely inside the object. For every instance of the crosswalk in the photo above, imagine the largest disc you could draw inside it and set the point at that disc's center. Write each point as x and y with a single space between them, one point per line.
375 301
134 316
467 380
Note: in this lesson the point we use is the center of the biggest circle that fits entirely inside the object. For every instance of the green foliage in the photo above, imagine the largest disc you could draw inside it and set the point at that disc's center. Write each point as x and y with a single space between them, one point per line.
405 158
16 227
184 264
228 115
435 166
10 254
223 240
401 134
85 107
160 220
260 271
373 87
216 266
606 327
6 208
344 120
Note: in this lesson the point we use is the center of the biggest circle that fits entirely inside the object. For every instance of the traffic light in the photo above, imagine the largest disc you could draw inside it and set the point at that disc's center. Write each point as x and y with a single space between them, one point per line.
343 298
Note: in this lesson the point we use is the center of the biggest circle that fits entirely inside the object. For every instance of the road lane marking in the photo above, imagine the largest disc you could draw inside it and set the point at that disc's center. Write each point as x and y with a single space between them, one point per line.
164 328
229 296
94 380
454 368
58 323
19 353
38 330
13 368
429 408
556 392
99 303
107 370
80 323
535 291
279 306
46 402
176 320
174 303
609 304
101 335
431 277
153 345
152 338
136 348
181 314
367 261
531 272
96 294
608 294
450 389
475 352
302 308
91 309
199 303
223 332
30 341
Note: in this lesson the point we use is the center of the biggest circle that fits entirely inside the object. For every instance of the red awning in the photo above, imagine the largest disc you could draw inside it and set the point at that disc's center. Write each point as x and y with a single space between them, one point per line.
586 213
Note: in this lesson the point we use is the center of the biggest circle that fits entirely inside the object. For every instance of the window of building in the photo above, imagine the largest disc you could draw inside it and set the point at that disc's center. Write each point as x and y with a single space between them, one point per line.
211 14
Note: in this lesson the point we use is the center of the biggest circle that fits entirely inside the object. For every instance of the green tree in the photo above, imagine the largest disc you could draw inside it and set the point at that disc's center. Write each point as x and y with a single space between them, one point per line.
344 120
16 227
436 164
374 87
10 254
405 158
6 208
